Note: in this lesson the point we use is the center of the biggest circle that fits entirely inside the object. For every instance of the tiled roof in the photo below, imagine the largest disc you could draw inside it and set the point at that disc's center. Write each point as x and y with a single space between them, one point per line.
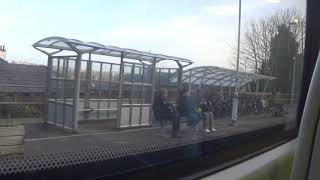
22 78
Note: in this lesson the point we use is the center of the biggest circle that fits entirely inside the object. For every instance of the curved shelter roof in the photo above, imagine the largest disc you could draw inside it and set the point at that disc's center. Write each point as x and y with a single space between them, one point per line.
217 76
80 47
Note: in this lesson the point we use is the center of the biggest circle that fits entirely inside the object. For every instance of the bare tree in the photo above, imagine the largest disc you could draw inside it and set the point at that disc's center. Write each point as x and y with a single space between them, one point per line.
256 40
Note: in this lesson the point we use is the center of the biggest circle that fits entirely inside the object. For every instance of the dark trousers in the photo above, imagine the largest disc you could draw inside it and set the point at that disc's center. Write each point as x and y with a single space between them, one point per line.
174 118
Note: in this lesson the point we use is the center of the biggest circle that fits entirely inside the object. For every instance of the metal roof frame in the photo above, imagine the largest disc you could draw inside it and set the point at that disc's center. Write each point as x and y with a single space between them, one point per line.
218 76
80 47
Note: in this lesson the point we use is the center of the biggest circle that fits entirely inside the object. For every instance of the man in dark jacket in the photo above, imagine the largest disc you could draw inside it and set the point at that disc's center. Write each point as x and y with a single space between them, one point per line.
165 111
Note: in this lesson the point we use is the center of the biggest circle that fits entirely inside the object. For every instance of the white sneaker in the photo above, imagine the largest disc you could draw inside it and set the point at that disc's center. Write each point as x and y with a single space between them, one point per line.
207 130
213 129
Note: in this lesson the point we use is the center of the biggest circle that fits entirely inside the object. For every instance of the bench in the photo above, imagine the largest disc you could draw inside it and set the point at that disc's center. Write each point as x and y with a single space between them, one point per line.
184 119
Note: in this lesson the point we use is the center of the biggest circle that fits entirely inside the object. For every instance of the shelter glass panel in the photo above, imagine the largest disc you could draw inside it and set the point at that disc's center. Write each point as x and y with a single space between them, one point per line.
115 72
127 72
95 71
61 87
83 72
54 70
71 69
106 69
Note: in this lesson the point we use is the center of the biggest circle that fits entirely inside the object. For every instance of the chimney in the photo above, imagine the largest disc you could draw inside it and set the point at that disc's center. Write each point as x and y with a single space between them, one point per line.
3 52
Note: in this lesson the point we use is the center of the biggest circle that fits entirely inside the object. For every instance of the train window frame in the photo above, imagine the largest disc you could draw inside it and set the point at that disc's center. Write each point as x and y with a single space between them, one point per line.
175 160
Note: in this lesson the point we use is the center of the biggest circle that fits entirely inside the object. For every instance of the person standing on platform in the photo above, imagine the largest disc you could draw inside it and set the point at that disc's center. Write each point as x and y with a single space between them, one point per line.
206 107
211 115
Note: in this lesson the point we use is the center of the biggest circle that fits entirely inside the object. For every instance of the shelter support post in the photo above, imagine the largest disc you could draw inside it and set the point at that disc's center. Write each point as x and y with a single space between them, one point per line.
154 71
131 99
76 93
88 86
200 84
235 100
230 89
142 93
120 90
265 86
180 71
221 90
189 87
47 96
293 82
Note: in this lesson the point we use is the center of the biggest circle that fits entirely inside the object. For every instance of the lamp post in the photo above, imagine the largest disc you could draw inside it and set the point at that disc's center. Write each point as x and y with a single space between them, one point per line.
296 22
235 99
301 23
292 81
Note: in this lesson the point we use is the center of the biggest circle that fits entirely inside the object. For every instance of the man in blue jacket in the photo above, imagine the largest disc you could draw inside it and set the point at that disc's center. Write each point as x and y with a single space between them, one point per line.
187 108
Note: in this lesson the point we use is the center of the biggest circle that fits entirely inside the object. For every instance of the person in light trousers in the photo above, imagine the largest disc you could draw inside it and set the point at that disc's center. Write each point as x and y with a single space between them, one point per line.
206 107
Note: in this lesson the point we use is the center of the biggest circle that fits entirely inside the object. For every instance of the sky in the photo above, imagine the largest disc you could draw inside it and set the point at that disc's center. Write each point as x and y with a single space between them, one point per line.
200 30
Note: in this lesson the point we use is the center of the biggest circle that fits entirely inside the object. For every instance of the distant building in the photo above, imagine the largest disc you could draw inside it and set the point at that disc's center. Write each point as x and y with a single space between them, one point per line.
21 78
3 53
22 91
